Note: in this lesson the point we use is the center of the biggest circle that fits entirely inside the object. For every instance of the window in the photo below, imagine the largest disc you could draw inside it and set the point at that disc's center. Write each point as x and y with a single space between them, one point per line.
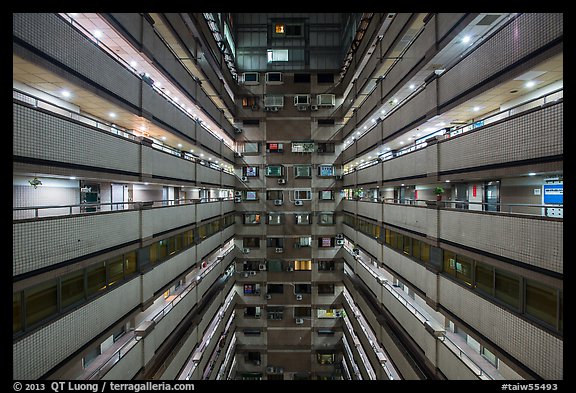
416 248
276 242
275 218
325 170
275 312
274 147
250 171
302 218
325 147
251 147
303 147
250 195
302 312
464 269
325 78
249 102
279 28
541 302
252 357
252 312
115 269
274 265
17 324
507 288
275 170
72 288
406 245
302 195
326 195
484 278
251 242
274 194
325 242
162 249
424 252
325 289
251 218
301 78
449 262
326 218
41 302
325 358
96 278
325 266
275 288
303 265
277 55
251 289
302 288
130 262
302 171
304 241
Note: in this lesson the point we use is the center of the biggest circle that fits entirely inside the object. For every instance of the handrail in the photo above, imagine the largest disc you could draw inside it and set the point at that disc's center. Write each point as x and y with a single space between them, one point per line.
406 303
83 208
117 355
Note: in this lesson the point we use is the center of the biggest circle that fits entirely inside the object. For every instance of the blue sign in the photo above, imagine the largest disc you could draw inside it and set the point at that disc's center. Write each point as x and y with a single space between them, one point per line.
553 193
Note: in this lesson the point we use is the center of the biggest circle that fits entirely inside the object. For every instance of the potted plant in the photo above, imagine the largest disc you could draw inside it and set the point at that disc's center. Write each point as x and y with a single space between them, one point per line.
438 191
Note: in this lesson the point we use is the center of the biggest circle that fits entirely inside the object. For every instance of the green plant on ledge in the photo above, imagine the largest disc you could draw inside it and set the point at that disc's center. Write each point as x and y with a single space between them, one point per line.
438 191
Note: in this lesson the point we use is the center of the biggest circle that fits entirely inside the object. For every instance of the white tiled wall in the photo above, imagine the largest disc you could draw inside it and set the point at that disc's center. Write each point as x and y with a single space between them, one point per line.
37 353
531 345
164 164
419 219
40 244
530 240
161 219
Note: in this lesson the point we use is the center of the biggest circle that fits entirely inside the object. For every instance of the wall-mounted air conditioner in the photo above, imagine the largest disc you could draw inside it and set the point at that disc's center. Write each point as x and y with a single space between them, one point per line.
250 78
298 297
238 154
238 199
302 101
273 102
299 321
237 130
326 100
281 181
339 236
252 272
298 203
274 78
340 242
290 269
245 275
279 249
261 266
268 296
245 250
278 202
238 193
244 178
270 369
314 107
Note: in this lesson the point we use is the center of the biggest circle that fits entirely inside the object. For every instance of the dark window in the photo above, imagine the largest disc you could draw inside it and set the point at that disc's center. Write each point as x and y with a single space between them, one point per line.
302 288
325 78
72 288
325 289
96 278
251 242
251 122
301 78
485 278
275 288
115 268
17 324
41 302
275 242
326 265
326 122
406 247
508 288
416 248
464 269
130 263
424 252
302 312
541 302
274 194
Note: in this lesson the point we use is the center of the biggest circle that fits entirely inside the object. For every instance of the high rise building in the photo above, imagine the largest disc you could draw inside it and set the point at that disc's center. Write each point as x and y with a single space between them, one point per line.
288 196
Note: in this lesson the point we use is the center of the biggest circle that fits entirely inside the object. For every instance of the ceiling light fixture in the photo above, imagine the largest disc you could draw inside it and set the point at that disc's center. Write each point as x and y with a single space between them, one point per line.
530 84
163 138
531 174
412 86
466 39
97 33
179 145
66 93
133 64
476 108
112 114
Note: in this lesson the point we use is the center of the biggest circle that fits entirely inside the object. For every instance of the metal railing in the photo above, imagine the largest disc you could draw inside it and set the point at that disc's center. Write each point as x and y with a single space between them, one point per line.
19 213
467 360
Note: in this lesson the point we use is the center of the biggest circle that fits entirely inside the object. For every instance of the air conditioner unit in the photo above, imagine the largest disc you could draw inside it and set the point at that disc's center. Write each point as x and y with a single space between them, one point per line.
339 177
302 108
340 242
238 193
278 202
326 100
355 251
279 249
244 178
246 274
252 272
299 321
273 101
298 203
270 369
274 78
290 269
339 236
238 199
298 297
268 296
274 109
302 99
250 78
238 154
281 181
262 267
245 250
237 130
314 107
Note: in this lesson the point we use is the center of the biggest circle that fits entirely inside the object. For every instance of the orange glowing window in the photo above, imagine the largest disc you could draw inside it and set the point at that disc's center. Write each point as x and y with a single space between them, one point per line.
279 28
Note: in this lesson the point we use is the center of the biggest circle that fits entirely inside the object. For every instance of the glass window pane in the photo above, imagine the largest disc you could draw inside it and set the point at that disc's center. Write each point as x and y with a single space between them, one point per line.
16 312
188 238
388 236
449 262
41 302
153 250
129 263
425 252
96 278
508 288
72 288
162 249
416 248
464 269
484 278
115 269
541 302
406 247
399 241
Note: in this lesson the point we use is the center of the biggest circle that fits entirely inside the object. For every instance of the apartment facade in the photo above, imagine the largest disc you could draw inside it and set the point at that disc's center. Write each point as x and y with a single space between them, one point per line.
288 196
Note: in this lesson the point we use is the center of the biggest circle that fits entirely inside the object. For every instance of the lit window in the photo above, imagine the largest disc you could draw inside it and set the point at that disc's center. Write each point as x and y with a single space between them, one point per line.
279 28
